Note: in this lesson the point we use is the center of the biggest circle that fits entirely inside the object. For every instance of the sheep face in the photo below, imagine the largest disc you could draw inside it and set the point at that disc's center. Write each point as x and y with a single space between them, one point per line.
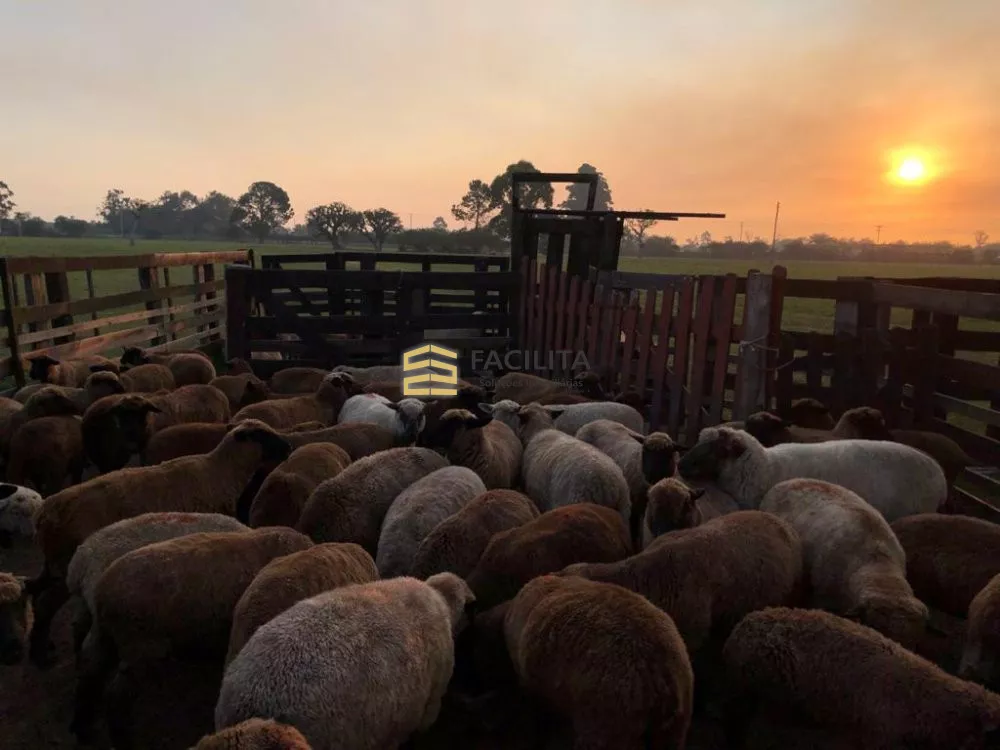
902 620
457 595
864 423
808 412
659 457
256 390
102 383
448 427
411 417
503 411
18 506
534 418
273 447
717 450
769 429
129 420
132 356
40 367
15 618
672 505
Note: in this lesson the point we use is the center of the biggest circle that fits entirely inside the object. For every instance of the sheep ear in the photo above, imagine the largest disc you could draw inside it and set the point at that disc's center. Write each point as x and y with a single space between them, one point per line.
487 408
392 405
696 492
641 439
45 360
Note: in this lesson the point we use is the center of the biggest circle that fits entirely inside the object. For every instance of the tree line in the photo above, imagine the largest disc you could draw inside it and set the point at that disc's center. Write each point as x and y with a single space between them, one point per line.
264 211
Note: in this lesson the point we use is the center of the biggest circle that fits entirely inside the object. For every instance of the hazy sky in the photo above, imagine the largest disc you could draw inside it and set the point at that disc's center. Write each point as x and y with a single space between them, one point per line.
715 105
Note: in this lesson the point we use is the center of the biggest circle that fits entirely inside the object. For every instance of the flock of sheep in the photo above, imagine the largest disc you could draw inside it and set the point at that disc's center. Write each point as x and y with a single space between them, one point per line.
525 568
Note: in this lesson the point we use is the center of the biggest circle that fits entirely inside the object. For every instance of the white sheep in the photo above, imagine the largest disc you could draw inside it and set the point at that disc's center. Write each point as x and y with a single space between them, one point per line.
558 469
894 479
855 565
571 417
361 667
624 446
417 510
405 419
18 508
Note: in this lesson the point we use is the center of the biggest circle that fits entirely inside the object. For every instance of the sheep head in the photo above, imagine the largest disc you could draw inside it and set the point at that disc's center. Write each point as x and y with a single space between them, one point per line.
659 456
504 411
672 505
863 423
808 412
449 426
255 391
238 366
768 428
717 449
41 367
15 618
133 356
903 619
49 401
457 595
533 419
130 420
102 383
273 447
411 417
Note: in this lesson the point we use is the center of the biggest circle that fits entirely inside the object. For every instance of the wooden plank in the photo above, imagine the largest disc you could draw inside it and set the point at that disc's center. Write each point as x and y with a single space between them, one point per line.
814 366
660 373
15 366
567 342
970 373
979 447
238 308
968 304
611 348
857 290
779 283
630 280
583 310
28 264
682 348
785 376
629 324
57 290
721 329
557 343
149 278
753 373
972 411
594 328
30 314
369 279
925 374
644 340
702 331
551 298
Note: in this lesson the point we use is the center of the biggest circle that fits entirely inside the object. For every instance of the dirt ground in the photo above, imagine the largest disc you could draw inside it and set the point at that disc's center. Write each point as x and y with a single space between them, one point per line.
174 708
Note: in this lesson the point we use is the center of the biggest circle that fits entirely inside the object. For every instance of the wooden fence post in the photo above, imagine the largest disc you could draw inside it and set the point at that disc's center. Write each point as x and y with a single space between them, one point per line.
149 279
752 375
9 303
57 290
237 310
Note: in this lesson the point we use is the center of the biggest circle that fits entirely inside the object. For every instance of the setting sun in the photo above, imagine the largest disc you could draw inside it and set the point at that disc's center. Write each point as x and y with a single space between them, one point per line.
912 166
911 169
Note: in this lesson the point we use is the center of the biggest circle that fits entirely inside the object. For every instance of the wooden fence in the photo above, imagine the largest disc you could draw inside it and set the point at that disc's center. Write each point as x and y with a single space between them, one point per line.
76 306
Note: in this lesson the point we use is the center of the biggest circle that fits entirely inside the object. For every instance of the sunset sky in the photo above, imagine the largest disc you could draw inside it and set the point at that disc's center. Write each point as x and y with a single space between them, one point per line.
718 105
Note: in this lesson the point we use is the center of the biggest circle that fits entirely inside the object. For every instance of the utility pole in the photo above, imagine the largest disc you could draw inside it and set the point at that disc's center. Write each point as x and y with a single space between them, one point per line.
878 232
774 234
411 220
741 232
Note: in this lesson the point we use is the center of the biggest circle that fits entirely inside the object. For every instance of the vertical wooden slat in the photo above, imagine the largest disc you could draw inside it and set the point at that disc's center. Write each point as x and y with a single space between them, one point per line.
612 340
594 329
552 292
925 375
814 366
844 376
10 302
753 374
659 369
583 311
682 347
723 329
779 277
892 393
34 294
91 293
57 290
209 274
702 331
540 301
571 315
524 306
238 293
629 320
557 342
149 278
785 380
170 302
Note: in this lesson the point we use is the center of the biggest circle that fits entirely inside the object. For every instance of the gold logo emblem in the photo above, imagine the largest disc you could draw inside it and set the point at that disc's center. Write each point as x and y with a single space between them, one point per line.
423 384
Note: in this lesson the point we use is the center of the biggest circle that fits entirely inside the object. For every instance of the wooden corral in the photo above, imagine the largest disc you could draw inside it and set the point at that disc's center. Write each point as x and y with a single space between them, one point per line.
178 291
368 316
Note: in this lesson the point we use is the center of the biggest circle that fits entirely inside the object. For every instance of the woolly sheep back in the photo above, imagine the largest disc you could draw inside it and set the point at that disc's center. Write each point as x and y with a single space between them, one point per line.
487 446
417 510
45 451
284 492
255 734
569 418
359 440
322 406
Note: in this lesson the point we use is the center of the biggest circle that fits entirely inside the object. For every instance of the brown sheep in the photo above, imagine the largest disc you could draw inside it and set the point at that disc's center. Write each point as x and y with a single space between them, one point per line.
69 372
15 618
255 734
47 402
284 492
45 451
148 379
157 601
351 506
868 424
241 390
456 544
487 446
393 389
709 577
468 397
605 659
811 414
981 652
188 439
189 367
582 532
949 559
238 366
211 483
853 681
359 439
292 578
297 380
670 505
323 406
310 426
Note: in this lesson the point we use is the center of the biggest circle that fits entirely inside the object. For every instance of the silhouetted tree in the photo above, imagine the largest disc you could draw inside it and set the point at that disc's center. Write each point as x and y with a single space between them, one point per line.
637 228
263 208
6 202
476 205
576 193
333 221
440 224
981 238
378 225
68 226
533 195
113 209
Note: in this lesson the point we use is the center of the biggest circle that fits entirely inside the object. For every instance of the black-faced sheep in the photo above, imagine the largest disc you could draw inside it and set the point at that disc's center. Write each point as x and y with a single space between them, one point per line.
332 665
96 386
811 414
45 452
605 659
284 492
106 545
949 559
487 446
981 652
417 510
771 430
868 424
188 367
157 601
853 681
297 380
241 390
322 406
359 440
582 532
405 419
709 577
70 372
18 507
289 579
255 734
351 506
15 618
456 544
211 483
855 566
558 469
894 479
